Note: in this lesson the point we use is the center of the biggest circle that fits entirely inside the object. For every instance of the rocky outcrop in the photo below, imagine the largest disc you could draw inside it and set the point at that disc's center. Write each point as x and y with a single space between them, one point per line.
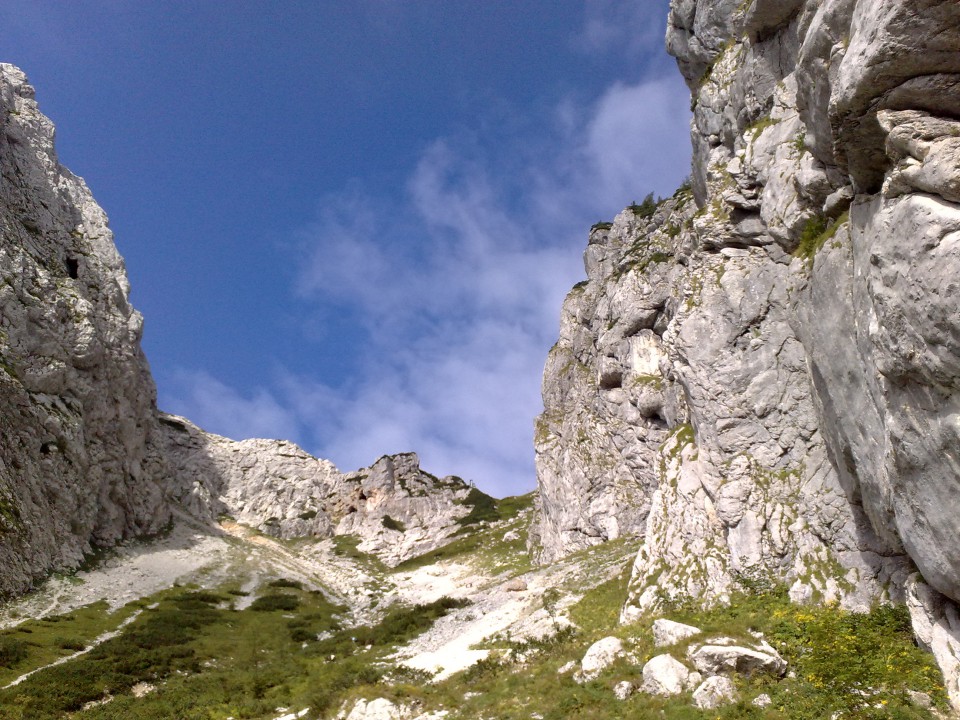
394 509
605 406
77 464
764 378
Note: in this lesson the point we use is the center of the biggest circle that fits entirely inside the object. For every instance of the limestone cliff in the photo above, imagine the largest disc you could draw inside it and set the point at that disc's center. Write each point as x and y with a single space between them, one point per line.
763 372
395 509
76 395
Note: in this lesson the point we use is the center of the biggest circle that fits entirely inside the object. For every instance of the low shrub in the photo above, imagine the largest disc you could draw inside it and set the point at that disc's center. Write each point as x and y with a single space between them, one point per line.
269 603
12 651
285 583
645 209
71 644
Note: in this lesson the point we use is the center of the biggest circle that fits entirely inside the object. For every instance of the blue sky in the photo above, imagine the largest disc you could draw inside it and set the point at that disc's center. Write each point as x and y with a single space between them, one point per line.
352 223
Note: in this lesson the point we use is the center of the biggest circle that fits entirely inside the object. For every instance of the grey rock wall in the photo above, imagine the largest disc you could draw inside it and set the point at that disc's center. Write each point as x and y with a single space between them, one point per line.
77 468
806 339
393 508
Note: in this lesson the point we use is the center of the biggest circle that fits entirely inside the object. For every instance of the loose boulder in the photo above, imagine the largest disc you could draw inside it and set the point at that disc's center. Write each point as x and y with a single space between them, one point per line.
665 675
598 657
725 659
714 692
668 632
379 709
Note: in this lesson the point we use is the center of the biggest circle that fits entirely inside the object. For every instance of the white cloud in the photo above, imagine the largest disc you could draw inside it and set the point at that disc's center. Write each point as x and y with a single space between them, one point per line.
209 403
459 285
637 135
623 27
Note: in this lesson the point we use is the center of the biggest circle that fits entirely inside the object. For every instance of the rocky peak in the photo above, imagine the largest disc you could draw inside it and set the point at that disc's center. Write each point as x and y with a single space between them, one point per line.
86 459
394 508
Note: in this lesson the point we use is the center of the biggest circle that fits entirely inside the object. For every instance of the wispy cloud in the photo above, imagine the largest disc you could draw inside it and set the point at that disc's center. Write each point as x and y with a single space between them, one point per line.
621 27
457 281
226 411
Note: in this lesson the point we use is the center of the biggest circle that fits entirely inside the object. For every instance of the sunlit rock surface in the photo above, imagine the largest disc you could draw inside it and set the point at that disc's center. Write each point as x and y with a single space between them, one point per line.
77 468
393 508
762 375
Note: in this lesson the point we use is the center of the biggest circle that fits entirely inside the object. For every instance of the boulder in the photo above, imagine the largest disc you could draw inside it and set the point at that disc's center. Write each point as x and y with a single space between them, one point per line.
714 692
668 632
665 675
598 657
379 709
725 659
515 585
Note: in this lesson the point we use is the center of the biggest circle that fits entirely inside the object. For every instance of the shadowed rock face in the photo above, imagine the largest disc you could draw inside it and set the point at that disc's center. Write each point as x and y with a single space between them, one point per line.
76 395
772 367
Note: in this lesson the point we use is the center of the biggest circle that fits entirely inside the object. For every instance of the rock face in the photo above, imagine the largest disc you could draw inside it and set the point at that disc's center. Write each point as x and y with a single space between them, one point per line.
395 509
77 462
762 373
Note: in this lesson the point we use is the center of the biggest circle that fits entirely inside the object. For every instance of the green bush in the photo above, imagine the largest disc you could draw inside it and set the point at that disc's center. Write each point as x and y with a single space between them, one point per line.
333 679
647 208
12 651
285 583
269 603
71 644
155 646
390 524
199 596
